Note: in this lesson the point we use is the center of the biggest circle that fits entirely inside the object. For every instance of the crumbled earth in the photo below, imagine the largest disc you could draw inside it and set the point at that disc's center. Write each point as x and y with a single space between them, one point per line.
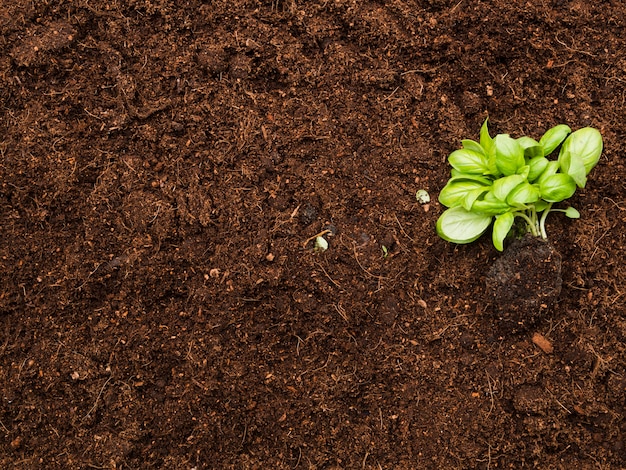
163 168
524 284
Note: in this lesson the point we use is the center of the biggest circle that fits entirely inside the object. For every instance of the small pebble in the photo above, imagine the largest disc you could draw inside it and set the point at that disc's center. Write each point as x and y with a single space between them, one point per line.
542 343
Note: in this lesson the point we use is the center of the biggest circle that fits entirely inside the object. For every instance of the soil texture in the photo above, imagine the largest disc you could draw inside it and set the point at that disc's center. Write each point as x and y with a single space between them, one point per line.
164 169
524 284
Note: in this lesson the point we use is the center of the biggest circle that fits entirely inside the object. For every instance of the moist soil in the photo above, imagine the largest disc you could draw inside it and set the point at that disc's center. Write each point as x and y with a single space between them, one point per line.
524 284
164 167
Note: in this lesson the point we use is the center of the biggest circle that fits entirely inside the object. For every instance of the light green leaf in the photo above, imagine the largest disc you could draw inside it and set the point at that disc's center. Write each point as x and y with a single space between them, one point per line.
488 204
531 147
501 228
473 146
553 138
471 196
540 205
573 165
468 161
486 142
572 213
557 187
585 143
537 166
468 176
523 171
551 168
457 225
523 194
509 154
455 191
503 186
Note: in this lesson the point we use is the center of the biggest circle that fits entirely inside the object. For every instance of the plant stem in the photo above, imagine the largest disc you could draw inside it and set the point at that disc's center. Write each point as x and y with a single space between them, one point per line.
542 222
532 225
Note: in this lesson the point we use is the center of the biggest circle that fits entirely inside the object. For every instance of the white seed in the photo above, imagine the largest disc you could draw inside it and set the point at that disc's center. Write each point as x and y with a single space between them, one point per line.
422 196
321 244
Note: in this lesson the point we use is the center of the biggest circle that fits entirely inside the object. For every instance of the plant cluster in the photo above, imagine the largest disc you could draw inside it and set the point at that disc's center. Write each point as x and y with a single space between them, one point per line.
503 178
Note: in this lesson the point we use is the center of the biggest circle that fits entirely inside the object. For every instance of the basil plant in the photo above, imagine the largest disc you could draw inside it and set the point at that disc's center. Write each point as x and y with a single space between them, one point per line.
500 179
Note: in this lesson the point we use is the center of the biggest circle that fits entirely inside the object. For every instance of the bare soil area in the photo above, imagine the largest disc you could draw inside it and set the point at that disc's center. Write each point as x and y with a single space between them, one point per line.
163 168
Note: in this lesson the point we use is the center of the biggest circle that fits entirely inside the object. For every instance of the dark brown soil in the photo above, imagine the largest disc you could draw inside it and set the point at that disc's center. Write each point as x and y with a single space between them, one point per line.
163 165
524 284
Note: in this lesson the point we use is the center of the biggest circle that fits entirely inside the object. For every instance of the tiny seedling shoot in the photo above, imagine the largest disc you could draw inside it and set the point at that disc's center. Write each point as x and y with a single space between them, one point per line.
502 179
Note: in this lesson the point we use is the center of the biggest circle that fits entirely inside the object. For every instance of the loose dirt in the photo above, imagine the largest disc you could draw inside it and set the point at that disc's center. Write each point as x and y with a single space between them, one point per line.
162 165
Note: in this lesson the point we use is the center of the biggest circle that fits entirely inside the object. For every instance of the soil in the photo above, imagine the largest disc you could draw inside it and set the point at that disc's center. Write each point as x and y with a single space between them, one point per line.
524 284
164 166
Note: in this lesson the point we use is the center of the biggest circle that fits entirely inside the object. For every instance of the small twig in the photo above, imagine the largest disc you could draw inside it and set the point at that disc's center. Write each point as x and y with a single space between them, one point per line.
556 400
322 233
402 228
356 257
328 276
98 397
491 395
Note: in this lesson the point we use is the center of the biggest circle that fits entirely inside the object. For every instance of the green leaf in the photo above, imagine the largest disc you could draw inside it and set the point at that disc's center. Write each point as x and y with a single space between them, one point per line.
573 165
501 228
457 225
472 195
531 147
455 191
468 161
553 138
503 186
572 213
551 168
523 194
486 142
488 204
523 171
540 205
458 176
509 154
556 188
537 166
473 146
585 143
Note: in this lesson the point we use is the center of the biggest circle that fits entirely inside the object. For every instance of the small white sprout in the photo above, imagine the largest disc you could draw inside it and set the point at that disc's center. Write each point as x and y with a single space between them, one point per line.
321 244
422 196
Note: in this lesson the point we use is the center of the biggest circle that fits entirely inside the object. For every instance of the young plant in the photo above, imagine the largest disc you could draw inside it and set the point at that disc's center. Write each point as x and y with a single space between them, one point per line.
501 179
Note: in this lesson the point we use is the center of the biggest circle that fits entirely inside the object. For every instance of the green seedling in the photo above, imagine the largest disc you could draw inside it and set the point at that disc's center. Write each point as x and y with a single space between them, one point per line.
502 179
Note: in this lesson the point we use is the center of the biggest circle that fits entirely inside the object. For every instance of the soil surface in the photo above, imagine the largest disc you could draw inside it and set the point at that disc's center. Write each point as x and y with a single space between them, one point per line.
524 284
164 167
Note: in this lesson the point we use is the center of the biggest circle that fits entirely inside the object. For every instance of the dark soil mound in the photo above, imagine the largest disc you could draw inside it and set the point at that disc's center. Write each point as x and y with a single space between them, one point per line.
524 283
